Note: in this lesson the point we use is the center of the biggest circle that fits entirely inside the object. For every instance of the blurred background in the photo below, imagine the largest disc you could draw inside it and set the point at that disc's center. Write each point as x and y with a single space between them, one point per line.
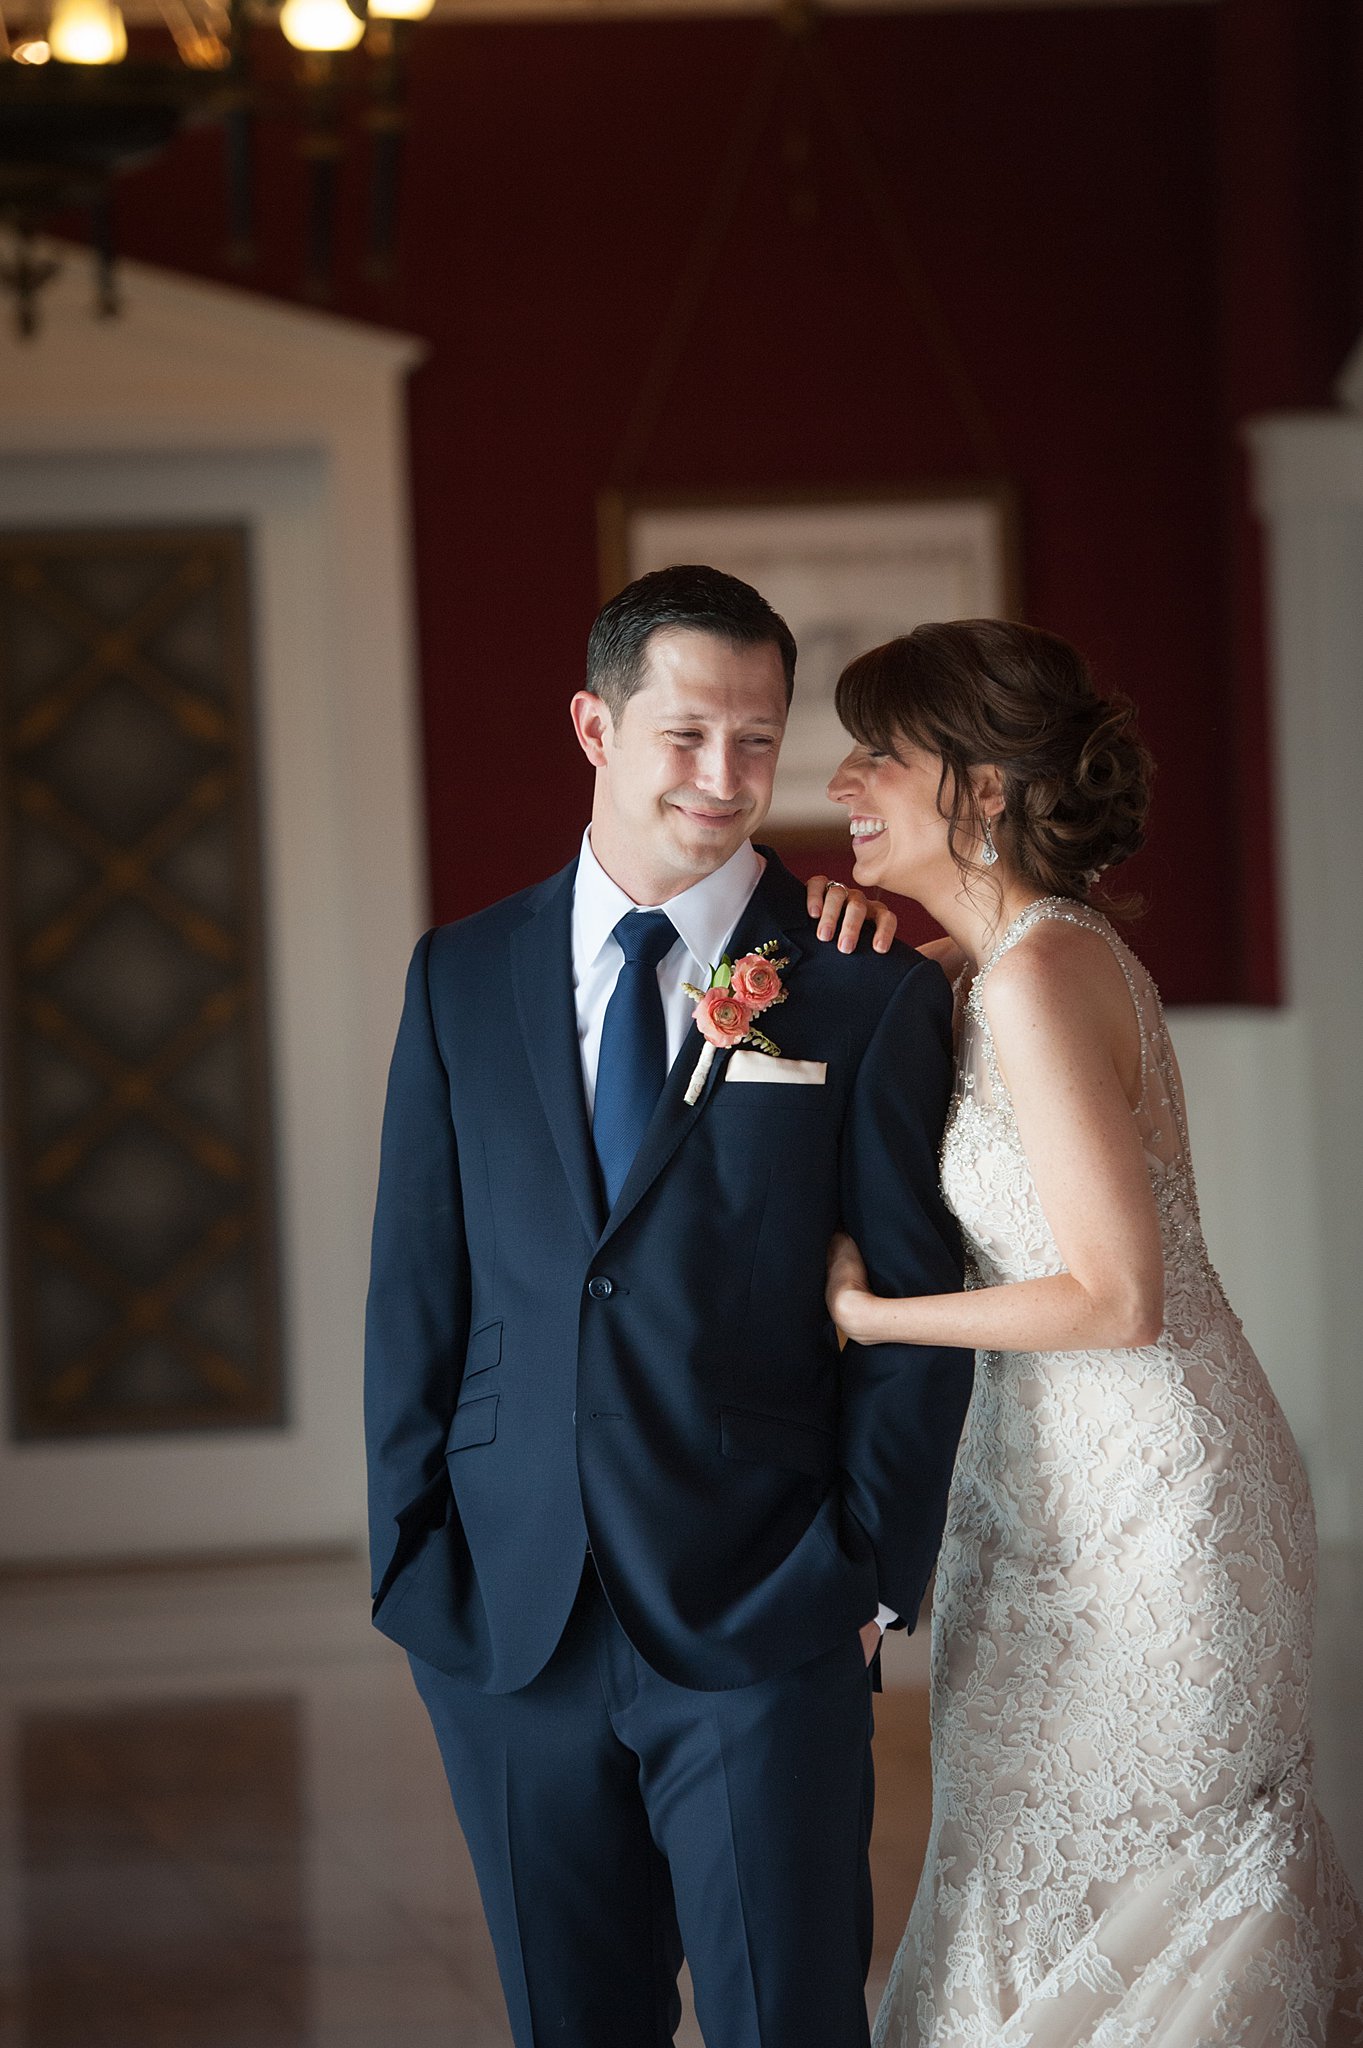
345 365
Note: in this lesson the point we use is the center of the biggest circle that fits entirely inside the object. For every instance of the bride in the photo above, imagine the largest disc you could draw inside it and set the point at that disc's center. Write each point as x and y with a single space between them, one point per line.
1125 1848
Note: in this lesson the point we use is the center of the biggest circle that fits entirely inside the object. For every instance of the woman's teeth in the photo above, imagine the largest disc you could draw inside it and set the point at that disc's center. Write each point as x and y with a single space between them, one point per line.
867 828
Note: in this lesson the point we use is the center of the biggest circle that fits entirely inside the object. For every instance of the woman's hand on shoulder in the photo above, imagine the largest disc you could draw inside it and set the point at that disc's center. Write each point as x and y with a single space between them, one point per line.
830 901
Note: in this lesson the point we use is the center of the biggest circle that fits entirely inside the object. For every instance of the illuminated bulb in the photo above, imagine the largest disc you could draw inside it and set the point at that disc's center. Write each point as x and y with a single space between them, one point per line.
35 51
320 24
87 32
205 52
399 10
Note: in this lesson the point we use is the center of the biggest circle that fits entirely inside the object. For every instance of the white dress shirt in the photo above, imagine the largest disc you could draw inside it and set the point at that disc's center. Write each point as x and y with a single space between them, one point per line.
705 916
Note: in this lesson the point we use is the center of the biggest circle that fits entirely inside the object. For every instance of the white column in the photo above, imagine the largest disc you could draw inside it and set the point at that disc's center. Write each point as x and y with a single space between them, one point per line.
1309 486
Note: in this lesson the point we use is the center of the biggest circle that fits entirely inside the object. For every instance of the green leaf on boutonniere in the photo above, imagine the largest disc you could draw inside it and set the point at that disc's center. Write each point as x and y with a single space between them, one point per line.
720 977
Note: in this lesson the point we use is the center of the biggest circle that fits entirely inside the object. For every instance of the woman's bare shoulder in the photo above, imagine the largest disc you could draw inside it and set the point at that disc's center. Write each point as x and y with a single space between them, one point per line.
1063 986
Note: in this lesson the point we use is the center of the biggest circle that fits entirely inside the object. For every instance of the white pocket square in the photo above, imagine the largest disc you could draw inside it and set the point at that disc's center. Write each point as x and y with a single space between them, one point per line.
760 1066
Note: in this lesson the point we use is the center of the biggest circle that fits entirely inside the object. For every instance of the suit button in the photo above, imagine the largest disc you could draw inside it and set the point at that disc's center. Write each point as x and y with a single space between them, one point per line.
599 1287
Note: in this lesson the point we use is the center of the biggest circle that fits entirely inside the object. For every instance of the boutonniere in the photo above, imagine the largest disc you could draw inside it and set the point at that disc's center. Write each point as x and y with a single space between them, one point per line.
725 1012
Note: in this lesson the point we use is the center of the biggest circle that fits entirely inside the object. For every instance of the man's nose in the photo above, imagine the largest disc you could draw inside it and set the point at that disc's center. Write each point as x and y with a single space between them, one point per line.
717 771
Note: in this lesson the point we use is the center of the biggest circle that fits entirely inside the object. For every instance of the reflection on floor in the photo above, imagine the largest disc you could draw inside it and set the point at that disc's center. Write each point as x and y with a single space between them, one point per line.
223 1822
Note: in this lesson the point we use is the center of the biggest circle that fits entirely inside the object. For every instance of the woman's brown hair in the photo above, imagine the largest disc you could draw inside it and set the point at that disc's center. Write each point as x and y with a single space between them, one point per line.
977 692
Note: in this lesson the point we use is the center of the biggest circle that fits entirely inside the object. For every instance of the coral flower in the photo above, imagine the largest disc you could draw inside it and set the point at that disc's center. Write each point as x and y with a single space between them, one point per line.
756 981
723 1017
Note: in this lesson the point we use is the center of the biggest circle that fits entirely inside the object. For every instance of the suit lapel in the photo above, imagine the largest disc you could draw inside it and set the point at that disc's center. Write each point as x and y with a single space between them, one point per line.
542 972
776 909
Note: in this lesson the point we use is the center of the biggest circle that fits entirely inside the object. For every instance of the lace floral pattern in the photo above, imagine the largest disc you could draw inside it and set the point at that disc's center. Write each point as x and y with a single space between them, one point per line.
1125 1850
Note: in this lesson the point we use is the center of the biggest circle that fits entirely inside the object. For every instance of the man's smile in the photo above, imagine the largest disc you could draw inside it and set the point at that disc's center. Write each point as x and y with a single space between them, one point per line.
705 816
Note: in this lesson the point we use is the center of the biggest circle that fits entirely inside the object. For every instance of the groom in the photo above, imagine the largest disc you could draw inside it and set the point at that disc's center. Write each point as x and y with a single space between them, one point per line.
632 1513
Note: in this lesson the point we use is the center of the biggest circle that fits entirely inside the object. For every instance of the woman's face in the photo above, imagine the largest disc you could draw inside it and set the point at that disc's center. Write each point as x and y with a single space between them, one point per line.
899 836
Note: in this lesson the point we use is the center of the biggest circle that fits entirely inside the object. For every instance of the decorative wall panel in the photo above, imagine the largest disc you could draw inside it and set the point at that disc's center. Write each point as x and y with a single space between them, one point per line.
138 1154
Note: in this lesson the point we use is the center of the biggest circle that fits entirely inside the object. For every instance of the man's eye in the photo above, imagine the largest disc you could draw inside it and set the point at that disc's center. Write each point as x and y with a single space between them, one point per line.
761 743
684 738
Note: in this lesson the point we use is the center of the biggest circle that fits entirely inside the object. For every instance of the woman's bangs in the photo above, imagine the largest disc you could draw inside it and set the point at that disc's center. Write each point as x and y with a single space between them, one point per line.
869 699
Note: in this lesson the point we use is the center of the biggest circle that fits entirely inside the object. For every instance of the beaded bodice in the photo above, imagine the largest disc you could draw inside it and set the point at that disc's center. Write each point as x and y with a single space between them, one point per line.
985 1174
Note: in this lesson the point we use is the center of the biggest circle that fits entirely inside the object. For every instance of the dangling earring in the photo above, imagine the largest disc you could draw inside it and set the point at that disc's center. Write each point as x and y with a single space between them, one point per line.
989 853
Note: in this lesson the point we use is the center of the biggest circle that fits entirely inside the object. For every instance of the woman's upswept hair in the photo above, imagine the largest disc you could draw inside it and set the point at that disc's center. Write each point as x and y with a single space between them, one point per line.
976 692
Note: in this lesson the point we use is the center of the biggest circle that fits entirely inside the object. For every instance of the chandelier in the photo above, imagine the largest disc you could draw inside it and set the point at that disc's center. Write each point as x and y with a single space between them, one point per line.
77 106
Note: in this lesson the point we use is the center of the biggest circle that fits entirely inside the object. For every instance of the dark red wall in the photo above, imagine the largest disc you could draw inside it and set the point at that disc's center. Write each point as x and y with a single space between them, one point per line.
1070 183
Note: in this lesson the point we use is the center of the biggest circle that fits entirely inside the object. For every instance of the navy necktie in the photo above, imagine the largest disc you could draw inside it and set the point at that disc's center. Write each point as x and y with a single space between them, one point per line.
633 1062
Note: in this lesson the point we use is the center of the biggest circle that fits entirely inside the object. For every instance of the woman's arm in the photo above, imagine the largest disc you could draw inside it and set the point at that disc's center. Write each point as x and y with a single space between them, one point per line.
1066 1036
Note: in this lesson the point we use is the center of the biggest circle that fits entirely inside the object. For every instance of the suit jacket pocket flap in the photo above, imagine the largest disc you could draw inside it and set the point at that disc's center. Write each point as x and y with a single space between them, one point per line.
484 1350
776 1440
475 1422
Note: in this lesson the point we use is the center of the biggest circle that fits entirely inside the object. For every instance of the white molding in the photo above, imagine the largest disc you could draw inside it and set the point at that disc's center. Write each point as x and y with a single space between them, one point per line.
201 403
188 360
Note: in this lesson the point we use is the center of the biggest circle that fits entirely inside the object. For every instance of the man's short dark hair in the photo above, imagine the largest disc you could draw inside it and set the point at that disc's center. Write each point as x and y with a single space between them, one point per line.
691 597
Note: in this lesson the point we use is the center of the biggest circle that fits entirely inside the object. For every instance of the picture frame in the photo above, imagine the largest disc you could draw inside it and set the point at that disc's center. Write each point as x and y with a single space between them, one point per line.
847 570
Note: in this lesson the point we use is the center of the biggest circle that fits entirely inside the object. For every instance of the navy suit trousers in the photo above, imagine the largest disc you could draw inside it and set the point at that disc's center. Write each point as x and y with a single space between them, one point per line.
616 1819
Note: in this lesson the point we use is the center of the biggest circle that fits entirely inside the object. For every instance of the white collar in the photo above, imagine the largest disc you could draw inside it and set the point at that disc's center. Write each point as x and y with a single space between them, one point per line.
705 914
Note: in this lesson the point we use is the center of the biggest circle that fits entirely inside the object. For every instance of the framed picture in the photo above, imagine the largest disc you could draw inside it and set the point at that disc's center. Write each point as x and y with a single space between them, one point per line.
847 571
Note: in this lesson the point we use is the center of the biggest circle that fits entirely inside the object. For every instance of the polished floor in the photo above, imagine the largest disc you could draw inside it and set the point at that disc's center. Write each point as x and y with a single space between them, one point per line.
223 1822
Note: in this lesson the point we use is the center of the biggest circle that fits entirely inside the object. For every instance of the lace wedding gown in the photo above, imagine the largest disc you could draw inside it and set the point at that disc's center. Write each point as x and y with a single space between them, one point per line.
1125 1849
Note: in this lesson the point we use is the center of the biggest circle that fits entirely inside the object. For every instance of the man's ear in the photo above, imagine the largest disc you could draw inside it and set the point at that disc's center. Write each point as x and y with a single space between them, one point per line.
592 724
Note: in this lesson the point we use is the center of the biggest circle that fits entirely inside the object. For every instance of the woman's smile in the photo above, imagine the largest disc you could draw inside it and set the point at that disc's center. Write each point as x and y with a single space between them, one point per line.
865 829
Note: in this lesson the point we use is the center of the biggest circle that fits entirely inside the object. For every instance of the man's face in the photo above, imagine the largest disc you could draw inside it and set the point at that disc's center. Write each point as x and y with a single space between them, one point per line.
685 774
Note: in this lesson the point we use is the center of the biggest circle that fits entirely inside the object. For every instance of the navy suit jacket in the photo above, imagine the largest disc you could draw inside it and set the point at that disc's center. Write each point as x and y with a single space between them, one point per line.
663 1382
